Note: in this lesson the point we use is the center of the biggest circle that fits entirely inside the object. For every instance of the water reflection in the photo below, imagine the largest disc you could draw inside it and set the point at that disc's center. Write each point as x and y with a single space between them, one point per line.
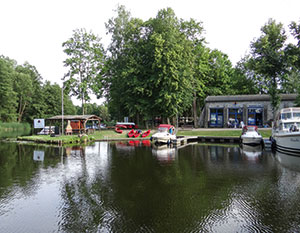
125 187
251 153
289 161
164 153
38 155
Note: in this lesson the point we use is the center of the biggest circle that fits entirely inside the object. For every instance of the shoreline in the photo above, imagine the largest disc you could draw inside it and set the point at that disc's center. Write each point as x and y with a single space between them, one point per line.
110 135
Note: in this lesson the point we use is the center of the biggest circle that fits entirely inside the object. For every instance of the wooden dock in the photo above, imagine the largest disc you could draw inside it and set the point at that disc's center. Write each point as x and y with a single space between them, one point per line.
184 140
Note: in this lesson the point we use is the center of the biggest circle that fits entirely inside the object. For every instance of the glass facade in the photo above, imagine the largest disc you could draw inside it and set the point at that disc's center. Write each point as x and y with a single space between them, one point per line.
235 116
216 117
255 116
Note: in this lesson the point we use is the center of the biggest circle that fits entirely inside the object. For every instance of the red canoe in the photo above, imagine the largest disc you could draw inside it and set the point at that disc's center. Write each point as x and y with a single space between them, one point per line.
146 134
136 133
118 130
131 133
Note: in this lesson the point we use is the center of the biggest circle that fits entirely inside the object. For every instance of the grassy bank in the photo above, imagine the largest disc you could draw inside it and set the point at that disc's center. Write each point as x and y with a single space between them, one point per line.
112 135
13 130
14 126
266 133
66 139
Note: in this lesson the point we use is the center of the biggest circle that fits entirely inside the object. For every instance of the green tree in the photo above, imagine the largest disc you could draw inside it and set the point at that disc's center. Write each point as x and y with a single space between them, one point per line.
292 52
8 97
198 61
150 66
52 101
23 86
268 60
85 62
35 107
125 65
218 80
242 81
172 78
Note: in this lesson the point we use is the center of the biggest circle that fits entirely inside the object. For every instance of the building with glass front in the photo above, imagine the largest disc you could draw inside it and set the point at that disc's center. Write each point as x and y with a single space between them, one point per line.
235 111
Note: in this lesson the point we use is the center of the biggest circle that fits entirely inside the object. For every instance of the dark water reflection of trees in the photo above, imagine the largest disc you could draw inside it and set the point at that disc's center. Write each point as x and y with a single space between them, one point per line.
132 189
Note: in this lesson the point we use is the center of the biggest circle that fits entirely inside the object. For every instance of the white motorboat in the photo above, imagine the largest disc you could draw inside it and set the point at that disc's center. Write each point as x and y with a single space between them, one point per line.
166 133
250 136
285 131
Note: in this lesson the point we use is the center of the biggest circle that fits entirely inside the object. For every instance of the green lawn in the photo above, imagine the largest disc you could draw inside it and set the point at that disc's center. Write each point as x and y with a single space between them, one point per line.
266 133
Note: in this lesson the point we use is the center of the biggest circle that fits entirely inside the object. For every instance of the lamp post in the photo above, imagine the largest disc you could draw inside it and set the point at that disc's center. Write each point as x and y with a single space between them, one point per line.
62 109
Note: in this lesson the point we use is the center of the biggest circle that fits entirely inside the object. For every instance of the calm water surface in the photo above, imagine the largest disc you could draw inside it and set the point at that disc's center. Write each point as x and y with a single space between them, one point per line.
133 187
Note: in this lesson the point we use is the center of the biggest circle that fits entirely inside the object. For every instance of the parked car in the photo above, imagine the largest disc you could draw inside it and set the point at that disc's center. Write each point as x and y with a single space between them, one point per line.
46 130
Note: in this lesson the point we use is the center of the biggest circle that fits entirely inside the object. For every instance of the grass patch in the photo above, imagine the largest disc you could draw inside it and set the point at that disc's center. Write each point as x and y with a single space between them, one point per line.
14 126
266 133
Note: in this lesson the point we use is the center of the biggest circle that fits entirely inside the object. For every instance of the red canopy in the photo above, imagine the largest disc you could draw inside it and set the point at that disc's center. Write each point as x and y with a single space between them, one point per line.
165 126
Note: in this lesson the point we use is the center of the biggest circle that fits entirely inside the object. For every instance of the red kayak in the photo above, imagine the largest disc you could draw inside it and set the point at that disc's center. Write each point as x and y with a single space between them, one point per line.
136 133
146 134
118 130
131 133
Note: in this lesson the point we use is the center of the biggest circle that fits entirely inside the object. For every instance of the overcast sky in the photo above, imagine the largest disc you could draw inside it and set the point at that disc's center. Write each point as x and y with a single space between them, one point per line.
34 30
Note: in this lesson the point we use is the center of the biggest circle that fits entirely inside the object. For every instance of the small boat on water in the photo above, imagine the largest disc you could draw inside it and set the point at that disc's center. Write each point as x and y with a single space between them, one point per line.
250 136
285 131
166 133
146 134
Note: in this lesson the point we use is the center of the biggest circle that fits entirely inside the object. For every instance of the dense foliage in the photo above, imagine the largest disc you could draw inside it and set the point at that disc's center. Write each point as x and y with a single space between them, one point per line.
24 96
85 62
160 67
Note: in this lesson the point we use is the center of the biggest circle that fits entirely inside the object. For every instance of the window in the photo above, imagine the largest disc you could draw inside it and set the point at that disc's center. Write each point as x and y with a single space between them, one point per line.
255 116
235 116
216 117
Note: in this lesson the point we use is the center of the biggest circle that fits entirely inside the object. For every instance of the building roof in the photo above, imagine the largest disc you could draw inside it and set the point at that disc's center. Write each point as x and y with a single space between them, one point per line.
75 117
230 98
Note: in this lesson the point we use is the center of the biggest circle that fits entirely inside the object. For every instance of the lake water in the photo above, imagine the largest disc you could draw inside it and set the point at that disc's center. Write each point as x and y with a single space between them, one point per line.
134 187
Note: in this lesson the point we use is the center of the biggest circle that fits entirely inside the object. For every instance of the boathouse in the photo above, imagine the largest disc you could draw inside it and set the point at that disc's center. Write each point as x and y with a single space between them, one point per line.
230 111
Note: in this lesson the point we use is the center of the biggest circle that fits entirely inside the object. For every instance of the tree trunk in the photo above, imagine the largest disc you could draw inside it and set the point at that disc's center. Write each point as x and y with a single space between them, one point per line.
82 104
22 109
195 110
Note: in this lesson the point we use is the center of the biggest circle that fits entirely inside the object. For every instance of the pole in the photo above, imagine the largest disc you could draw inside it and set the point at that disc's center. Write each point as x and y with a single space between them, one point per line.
62 109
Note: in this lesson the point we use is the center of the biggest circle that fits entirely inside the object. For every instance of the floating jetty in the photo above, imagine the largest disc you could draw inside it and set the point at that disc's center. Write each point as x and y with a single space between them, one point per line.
186 139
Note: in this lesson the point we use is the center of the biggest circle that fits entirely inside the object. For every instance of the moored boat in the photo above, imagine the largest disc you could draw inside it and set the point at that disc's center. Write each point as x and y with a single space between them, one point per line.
285 131
250 136
166 133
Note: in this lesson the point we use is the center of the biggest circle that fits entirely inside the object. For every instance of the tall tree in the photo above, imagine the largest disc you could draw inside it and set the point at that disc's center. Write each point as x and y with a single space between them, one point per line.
293 58
193 31
125 65
218 80
35 107
23 86
172 65
268 59
244 81
8 97
85 62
